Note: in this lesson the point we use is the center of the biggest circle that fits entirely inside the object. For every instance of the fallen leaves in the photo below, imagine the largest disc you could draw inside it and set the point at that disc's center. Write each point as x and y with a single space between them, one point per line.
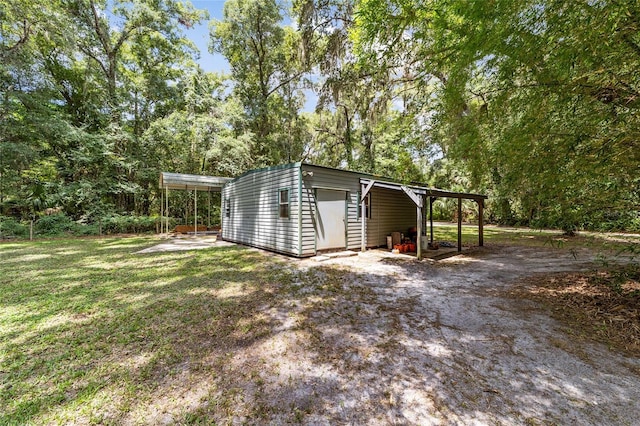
601 305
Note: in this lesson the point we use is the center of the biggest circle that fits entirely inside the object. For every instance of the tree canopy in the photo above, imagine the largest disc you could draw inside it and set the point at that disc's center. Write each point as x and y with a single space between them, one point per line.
534 102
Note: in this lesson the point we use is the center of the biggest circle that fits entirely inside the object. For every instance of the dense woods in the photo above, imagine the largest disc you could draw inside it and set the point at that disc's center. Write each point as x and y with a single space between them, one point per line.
535 103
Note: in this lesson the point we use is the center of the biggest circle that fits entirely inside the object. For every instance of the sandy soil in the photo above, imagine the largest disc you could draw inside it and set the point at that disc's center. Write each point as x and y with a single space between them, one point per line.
374 339
383 339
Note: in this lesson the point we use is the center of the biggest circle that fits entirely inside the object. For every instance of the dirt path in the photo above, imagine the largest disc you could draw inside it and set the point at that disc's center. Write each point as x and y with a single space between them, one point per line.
373 340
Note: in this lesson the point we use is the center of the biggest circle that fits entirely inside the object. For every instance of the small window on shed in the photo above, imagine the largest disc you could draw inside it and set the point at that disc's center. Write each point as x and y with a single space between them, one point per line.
284 203
227 207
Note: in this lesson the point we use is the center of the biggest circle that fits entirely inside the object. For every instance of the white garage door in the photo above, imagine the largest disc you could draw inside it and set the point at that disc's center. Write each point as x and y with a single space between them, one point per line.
330 219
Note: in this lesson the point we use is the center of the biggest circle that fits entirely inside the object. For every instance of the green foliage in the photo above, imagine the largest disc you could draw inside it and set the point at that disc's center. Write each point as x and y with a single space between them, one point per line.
10 227
57 224
80 82
198 137
535 101
125 224
267 70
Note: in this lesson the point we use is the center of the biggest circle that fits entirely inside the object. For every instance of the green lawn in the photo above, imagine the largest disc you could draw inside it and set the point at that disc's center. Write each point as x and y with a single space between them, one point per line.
89 330
604 243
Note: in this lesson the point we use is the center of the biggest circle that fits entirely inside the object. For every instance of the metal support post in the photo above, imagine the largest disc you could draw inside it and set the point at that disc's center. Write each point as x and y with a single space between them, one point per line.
459 224
480 223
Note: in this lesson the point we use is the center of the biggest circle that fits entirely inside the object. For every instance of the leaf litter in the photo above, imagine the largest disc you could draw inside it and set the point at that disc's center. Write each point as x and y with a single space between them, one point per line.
603 305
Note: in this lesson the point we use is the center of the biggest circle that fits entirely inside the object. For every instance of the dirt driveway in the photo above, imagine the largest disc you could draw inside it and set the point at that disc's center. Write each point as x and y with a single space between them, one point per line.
378 340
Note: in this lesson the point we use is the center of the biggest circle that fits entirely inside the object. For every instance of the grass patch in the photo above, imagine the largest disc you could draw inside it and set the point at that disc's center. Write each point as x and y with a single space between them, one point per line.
92 333
605 244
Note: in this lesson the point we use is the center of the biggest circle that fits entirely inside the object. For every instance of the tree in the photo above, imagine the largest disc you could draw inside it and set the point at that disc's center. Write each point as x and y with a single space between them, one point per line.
199 136
81 81
266 68
137 49
25 112
360 92
538 100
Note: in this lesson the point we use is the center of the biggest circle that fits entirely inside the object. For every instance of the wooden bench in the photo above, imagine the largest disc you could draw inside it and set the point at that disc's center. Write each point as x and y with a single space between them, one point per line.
185 229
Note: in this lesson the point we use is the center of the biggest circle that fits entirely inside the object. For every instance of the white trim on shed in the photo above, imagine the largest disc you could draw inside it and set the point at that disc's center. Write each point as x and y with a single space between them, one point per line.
192 182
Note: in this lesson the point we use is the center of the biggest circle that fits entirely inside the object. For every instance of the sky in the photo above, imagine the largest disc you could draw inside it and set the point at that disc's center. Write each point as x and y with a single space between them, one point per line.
199 34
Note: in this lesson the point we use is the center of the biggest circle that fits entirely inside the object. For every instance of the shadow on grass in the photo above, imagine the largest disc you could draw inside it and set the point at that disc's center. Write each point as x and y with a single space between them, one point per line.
414 343
77 334
229 335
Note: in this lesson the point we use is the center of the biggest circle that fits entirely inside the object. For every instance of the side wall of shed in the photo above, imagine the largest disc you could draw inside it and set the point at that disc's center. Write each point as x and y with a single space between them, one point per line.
391 211
254 209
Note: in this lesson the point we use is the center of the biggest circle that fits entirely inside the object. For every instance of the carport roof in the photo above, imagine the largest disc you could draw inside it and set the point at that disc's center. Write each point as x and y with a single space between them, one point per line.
191 182
388 183
422 190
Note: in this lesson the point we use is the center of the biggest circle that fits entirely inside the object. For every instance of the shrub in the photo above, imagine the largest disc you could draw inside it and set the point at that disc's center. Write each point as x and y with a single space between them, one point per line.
56 224
10 227
117 224
87 229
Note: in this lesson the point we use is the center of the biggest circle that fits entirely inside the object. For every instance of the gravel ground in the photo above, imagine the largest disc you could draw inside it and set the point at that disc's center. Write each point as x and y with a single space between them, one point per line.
377 339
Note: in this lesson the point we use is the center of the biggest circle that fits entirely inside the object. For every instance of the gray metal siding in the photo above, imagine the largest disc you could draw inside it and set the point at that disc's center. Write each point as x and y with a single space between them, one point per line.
255 209
391 211
328 179
254 217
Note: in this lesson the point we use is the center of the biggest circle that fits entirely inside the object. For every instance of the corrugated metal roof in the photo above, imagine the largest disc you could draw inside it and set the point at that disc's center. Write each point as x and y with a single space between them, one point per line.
191 182
424 190
215 183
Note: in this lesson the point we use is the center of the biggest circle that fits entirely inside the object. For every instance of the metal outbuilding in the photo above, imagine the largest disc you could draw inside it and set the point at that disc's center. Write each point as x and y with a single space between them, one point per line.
301 209
186 182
